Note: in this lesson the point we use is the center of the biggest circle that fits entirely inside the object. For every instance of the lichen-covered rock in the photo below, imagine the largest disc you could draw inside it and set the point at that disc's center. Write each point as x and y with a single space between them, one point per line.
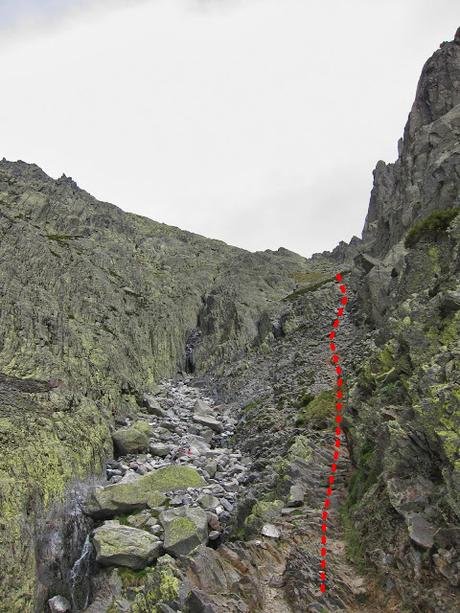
133 439
119 545
48 438
154 588
184 529
145 491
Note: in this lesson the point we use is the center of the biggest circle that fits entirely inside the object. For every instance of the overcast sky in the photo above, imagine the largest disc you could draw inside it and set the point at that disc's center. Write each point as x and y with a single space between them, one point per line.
258 122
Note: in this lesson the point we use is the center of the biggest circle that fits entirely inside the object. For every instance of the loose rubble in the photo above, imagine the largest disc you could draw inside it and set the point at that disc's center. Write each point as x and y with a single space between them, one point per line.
174 483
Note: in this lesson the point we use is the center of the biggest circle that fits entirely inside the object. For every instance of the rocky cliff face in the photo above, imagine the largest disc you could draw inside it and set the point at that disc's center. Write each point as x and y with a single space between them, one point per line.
98 306
425 176
404 407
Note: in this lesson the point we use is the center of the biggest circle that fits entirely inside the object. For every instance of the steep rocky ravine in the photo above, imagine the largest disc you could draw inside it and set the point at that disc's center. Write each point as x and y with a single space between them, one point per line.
167 401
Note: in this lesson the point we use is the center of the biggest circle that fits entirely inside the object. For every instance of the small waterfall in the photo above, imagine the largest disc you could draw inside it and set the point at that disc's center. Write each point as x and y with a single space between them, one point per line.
80 577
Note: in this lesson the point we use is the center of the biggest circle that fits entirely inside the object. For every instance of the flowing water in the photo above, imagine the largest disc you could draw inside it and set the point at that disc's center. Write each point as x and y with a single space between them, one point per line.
80 577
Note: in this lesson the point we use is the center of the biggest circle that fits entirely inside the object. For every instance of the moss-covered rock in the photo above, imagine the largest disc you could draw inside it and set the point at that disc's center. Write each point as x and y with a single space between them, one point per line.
48 438
145 491
161 585
133 439
318 412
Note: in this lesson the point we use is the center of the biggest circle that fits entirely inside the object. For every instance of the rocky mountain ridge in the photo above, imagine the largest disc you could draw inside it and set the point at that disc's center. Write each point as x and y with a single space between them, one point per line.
100 309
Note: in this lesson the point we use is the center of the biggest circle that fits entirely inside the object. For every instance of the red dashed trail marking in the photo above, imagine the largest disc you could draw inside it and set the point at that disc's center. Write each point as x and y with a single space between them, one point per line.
338 432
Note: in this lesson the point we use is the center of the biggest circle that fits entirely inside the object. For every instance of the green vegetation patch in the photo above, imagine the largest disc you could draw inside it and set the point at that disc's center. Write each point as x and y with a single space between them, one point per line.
354 545
307 277
319 412
305 290
262 512
364 476
132 578
147 588
432 227
248 407
314 281
305 400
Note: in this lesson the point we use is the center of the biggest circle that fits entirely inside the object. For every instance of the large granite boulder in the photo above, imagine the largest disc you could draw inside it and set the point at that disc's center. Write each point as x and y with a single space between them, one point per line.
118 545
185 528
151 405
145 491
133 439
209 422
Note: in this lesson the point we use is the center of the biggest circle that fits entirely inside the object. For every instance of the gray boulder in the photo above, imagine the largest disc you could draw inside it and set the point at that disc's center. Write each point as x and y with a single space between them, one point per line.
296 495
208 502
151 404
420 531
197 444
202 408
160 449
59 604
133 439
185 528
209 422
142 492
118 545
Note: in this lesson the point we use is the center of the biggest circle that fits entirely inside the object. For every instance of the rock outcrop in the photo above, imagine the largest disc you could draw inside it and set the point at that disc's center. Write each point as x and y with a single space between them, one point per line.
403 427
425 176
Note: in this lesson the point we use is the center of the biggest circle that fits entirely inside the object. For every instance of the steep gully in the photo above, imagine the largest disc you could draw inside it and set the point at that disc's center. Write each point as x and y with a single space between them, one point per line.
280 540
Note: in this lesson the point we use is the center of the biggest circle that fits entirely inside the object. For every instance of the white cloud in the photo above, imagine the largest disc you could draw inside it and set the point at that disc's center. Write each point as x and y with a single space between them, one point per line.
259 125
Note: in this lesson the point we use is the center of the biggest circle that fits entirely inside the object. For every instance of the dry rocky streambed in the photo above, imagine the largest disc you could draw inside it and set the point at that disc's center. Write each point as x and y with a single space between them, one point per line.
171 490
164 523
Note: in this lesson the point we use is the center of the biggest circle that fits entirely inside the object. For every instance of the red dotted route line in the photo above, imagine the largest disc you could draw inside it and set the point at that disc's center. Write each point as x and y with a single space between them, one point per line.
338 431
